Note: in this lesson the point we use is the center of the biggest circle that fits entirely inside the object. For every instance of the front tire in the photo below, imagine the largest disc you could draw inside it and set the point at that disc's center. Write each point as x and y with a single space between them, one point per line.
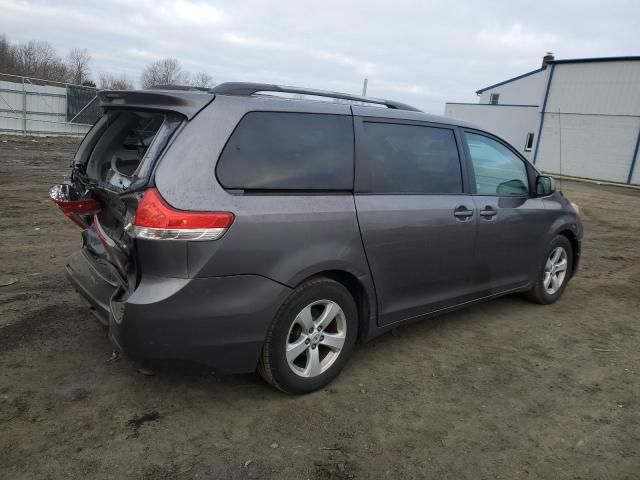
555 272
311 338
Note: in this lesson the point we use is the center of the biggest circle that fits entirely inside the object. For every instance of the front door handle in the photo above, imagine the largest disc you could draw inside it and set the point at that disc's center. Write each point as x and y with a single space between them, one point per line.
488 212
462 212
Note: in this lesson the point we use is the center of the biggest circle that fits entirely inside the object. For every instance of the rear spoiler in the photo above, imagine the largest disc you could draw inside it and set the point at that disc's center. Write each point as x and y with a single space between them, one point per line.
187 103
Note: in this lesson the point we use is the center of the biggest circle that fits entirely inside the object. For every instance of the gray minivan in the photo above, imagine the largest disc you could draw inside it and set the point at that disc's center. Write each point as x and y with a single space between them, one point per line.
254 226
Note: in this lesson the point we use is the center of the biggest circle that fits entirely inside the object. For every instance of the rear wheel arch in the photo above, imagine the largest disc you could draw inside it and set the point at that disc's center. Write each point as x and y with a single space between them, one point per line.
357 290
275 365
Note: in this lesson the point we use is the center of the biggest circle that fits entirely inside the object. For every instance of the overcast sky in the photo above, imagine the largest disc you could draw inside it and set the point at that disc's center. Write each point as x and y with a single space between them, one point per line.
424 53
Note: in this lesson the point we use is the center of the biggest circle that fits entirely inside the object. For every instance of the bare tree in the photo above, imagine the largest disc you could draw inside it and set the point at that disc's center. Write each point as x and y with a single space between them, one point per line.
167 71
57 71
37 58
201 79
32 55
78 65
7 56
111 82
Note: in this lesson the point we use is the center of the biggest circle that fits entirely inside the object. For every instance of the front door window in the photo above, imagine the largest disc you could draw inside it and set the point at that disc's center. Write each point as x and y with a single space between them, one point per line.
498 171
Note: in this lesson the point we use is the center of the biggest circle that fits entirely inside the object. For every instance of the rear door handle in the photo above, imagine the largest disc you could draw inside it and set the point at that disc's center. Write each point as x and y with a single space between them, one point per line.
462 212
488 212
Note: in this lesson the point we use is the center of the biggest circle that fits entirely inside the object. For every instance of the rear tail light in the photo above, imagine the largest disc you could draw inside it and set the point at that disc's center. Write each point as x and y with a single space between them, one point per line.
65 196
157 220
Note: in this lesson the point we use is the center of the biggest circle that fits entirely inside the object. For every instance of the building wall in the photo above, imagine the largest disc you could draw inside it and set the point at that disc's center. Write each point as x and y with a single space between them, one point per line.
592 117
527 90
510 123
602 88
46 110
635 175
588 146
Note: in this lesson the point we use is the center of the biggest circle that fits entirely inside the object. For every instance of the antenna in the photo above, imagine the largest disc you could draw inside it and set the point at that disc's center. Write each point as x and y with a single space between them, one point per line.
560 145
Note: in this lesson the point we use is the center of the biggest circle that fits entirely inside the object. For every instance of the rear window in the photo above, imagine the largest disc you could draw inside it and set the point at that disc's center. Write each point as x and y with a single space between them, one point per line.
401 159
289 151
123 146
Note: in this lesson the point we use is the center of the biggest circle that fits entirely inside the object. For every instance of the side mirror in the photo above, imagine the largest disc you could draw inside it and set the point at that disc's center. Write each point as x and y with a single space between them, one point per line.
545 185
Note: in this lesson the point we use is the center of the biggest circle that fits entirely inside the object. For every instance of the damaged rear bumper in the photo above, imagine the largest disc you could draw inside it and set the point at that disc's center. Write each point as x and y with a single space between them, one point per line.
217 321
95 285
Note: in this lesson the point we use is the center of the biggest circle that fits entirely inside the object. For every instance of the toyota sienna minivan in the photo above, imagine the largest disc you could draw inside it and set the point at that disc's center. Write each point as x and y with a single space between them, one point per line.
260 227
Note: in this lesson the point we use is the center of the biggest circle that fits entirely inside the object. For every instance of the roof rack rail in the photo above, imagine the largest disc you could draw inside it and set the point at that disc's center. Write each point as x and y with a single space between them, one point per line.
186 88
247 89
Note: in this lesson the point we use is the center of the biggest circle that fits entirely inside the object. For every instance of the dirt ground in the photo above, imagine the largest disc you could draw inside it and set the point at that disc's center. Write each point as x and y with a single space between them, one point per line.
506 390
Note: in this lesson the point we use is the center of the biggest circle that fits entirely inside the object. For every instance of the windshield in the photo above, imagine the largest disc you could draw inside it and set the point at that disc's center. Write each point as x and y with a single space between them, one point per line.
123 147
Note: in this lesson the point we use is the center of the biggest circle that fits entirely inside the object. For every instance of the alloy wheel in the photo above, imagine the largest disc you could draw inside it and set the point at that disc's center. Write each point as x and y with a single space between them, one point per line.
316 338
555 270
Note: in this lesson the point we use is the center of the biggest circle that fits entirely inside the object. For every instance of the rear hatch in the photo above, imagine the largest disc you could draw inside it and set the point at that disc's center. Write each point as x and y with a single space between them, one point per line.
114 166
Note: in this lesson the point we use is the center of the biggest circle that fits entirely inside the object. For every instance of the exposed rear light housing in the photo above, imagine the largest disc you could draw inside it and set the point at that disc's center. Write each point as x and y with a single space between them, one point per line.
64 196
155 219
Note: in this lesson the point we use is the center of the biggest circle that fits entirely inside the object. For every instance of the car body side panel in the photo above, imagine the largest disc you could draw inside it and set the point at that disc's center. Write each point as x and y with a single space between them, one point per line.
285 237
166 259
510 244
564 219
420 254
218 321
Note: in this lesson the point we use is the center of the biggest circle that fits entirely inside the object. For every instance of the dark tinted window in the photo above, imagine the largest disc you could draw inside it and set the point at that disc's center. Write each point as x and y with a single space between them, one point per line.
498 171
289 151
410 159
528 144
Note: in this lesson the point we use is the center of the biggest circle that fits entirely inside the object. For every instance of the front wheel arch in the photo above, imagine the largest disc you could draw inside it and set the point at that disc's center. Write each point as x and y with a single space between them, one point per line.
537 293
575 249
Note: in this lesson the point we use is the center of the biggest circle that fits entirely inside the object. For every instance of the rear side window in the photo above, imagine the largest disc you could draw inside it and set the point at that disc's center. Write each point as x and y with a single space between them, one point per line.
409 159
289 151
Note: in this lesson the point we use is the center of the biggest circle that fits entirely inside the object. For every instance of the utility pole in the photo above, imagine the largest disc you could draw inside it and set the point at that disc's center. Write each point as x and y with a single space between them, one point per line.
364 87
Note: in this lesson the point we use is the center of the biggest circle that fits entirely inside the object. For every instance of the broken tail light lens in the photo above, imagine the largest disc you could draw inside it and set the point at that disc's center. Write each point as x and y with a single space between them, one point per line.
66 198
155 219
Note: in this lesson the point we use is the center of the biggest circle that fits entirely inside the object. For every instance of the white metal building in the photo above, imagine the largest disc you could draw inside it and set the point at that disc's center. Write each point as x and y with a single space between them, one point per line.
578 117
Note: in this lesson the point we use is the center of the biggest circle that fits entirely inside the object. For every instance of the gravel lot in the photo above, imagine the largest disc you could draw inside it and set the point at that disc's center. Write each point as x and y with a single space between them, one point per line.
505 390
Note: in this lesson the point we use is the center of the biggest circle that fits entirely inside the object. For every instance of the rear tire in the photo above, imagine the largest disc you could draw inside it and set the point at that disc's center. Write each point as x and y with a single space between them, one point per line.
554 273
311 338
